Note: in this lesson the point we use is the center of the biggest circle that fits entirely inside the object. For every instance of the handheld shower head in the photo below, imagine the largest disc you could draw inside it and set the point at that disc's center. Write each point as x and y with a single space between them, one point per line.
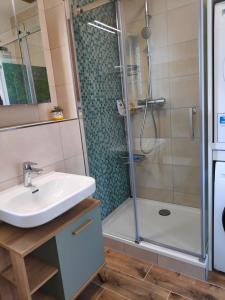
146 32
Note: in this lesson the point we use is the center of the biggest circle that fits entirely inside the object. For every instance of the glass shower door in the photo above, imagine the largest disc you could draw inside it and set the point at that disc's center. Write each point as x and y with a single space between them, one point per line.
99 69
163 84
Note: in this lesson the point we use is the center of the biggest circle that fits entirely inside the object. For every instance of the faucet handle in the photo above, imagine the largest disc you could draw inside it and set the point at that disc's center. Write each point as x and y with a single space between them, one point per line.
29 164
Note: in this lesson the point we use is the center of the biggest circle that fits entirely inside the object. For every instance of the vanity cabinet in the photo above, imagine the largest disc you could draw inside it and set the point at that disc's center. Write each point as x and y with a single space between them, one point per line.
53 261
80 252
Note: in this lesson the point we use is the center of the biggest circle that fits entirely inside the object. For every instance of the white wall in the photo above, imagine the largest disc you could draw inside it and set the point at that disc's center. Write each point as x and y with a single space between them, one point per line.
55 146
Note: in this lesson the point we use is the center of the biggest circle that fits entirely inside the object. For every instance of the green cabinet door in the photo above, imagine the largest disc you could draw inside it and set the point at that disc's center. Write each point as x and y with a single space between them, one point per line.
80 251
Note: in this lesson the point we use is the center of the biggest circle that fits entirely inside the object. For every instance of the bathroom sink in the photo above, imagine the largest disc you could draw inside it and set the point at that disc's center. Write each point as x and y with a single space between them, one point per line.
51 195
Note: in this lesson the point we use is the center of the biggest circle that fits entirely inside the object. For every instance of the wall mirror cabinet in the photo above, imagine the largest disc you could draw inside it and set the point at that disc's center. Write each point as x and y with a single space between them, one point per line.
35 63
23 75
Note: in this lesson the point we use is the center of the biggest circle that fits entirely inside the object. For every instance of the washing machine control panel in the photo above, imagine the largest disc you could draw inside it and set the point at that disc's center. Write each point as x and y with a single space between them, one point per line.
221 128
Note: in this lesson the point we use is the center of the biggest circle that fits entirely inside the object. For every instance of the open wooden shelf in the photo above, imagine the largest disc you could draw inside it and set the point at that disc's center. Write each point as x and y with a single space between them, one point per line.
38 273
42 296
25 264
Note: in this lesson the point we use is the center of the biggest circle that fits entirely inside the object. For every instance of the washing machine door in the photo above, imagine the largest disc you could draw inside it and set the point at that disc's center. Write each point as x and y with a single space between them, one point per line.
219 217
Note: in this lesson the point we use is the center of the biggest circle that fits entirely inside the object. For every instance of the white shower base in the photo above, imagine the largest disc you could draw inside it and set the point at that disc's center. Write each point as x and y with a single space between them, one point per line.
180 230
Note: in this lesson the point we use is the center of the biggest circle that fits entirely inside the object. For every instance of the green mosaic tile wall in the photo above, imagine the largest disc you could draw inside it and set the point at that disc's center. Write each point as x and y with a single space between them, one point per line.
97 54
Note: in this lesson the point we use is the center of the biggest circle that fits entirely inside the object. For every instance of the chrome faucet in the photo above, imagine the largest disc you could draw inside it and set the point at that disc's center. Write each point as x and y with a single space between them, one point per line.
28 170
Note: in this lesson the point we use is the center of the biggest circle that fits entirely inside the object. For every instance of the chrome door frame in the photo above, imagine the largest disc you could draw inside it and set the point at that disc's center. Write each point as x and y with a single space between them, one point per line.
203 122
128 124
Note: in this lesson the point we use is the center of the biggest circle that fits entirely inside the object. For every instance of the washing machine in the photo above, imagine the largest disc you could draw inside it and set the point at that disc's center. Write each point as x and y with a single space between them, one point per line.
219 72
219 217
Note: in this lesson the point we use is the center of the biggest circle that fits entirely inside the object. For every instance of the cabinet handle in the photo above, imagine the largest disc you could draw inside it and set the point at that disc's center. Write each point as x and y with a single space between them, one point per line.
82 227
223 219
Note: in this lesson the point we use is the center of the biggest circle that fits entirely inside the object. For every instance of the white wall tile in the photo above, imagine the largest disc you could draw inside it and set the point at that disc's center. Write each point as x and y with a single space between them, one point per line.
66 99
155 194
60 61
186 152
48 4
172 4
11 182
186 179
75 165
70 135
190 200
181 123
40 144
184 91
157 6
133 10
163 121
154 176
183 23
183 58
19 114
159 30
56 26
161 88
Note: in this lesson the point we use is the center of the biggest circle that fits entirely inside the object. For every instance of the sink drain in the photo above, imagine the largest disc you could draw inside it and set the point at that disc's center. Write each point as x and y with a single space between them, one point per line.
164 212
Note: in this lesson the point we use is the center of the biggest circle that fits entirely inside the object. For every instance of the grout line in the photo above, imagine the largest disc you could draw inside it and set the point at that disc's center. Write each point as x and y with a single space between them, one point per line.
123 273
108 289
151 266
169 295
182 295
213 284
100 293
135 278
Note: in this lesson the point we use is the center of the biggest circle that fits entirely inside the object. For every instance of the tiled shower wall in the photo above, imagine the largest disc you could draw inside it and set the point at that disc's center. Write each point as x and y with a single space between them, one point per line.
100 82
171 172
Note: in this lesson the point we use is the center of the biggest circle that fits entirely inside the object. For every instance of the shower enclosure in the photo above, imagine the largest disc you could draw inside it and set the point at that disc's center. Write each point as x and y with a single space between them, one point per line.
141 73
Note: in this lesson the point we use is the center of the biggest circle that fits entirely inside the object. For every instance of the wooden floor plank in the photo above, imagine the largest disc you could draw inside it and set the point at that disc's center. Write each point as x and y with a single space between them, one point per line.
174 296
126 264
185 286
110 295
217 278
91 292
130 287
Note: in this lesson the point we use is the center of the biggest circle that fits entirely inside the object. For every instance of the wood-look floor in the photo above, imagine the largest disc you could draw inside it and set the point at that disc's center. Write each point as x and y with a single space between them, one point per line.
125 277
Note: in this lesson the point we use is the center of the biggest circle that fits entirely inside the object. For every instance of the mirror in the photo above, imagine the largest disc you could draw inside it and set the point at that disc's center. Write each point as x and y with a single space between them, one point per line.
23 74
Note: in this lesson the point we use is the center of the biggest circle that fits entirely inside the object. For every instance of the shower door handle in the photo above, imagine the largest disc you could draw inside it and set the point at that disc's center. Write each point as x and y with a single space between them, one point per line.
192 113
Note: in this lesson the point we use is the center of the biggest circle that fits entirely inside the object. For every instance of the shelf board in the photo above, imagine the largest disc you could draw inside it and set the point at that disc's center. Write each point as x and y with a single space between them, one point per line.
38 273
42 296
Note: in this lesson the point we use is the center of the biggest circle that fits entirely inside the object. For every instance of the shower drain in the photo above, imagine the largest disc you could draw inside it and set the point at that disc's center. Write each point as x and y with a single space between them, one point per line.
164 212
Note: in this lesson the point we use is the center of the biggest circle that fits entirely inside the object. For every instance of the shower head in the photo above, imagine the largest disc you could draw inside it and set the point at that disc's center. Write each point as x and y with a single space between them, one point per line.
146 32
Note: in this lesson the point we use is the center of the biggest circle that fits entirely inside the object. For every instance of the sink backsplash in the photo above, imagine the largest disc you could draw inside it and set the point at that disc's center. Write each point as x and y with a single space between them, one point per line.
55 146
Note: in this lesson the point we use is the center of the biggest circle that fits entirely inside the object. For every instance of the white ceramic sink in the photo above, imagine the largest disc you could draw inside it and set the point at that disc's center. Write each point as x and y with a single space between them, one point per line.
53 194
